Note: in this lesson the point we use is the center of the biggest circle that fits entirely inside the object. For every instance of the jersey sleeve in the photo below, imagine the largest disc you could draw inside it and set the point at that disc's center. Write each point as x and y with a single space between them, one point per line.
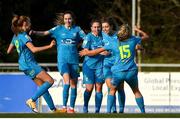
81 33
52 30
13 40
26 39
138 40
86 42
106 43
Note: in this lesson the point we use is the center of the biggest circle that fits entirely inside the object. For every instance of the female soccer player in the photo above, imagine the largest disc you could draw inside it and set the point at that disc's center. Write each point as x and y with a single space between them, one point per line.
27 63
67 36
124 68
93 67
107 28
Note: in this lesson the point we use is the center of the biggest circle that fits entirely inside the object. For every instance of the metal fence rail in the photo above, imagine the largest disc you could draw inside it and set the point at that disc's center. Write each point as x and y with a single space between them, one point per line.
13 67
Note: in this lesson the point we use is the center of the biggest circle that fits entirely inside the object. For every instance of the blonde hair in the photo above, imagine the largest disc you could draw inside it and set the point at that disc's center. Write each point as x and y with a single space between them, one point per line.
17 23
124 32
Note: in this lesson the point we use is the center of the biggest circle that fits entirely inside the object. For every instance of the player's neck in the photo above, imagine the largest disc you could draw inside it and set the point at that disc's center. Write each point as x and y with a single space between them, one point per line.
67 26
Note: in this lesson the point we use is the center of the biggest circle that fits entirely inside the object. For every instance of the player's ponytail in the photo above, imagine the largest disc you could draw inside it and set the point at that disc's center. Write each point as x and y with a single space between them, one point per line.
17 23
14 24
124 32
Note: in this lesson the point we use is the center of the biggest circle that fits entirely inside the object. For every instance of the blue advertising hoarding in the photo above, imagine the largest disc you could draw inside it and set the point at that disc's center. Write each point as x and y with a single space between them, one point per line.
15 89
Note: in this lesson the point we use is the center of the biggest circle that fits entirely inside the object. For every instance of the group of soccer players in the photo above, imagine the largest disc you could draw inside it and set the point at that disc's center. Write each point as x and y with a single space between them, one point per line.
109 57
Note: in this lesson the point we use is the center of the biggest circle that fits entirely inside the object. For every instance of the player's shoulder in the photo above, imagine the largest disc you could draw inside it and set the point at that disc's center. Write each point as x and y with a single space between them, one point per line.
76 28
89 35
135 37
25 36
58 27
14 37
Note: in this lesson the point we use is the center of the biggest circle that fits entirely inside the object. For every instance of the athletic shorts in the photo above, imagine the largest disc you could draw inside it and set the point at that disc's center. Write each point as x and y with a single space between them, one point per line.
33 70
92 76
71 69
129 76
107 72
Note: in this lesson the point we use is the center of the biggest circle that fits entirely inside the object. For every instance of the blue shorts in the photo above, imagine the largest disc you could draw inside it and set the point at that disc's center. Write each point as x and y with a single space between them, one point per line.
71 69
129 76
33 70
107 64
92 76
107 72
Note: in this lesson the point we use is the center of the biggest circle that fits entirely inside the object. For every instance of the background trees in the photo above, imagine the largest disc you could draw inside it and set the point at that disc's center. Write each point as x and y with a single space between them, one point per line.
159 18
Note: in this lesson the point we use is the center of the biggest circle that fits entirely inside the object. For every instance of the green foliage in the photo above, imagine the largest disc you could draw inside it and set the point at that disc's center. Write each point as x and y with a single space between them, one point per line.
159 18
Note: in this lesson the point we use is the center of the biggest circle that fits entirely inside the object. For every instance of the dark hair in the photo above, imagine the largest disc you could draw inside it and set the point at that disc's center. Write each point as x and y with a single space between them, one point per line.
107 20
17 23
60 17
94 20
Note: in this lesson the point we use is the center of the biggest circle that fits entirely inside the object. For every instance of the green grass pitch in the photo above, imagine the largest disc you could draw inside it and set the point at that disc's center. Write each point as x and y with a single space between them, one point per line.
89 115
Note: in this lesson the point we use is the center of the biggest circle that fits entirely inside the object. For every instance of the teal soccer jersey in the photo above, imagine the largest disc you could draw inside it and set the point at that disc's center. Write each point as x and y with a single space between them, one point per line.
92 42
25 55
124 54
109 59
67 41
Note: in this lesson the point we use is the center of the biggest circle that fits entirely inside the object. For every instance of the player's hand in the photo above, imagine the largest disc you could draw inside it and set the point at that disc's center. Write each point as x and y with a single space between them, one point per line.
53 43
105 53
83 52
136 29
31 32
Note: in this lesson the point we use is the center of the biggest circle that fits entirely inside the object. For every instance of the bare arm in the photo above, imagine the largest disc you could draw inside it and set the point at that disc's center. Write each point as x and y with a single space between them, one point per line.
38 49
10 48
39 33
87 52
105 53
144 35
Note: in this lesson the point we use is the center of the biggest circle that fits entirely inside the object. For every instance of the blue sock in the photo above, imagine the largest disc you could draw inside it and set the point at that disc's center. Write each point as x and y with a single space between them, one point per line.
140 103
65 94
114 104
73 97
98 101
110 103
49 101
41 90
121 99
87 96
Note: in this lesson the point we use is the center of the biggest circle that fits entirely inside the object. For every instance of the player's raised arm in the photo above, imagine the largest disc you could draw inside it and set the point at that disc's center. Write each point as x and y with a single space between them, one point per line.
143 35
39 33
10 48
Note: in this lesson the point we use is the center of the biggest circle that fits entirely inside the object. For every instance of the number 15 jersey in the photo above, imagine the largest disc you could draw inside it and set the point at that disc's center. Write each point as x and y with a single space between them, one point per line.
124 53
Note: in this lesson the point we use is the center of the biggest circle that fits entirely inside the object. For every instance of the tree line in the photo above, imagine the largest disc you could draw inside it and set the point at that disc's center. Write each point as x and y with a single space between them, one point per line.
159 18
